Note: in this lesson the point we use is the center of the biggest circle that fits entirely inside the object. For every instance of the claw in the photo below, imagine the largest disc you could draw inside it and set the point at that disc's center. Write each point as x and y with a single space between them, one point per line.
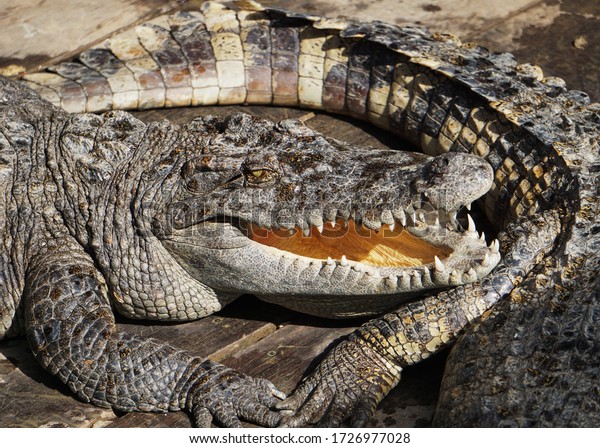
274 391
240 397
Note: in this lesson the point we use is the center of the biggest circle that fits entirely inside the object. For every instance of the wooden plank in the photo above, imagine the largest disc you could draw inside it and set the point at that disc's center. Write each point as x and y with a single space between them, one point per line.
33 34
183 115
284 356
240 324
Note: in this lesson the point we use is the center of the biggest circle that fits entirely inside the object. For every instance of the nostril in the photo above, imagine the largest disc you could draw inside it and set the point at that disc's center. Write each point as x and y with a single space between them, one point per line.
440 165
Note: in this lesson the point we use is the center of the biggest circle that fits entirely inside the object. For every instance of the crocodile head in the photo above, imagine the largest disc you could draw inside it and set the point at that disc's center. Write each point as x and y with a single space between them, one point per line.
305 221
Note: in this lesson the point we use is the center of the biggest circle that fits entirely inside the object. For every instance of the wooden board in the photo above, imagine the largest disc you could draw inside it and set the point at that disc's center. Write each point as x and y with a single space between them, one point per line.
259 338
35 34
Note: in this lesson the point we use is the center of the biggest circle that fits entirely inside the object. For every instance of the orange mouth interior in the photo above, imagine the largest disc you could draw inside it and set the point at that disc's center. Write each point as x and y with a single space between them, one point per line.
389 248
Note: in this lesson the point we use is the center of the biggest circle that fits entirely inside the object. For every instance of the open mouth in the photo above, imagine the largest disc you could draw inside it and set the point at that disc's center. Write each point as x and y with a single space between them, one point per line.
336 268
389 246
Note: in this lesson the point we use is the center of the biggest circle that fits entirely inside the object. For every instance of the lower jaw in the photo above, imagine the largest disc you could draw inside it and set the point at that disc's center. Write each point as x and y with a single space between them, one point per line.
325 287
342 307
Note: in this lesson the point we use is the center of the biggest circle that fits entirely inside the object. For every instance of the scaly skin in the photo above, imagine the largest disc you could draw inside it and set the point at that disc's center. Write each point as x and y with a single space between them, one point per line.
105 211
540 139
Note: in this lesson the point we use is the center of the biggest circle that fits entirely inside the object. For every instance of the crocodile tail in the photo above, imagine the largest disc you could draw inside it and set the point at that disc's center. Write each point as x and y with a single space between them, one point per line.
216 55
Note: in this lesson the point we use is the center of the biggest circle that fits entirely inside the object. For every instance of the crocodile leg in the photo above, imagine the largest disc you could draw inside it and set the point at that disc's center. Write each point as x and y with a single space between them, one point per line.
72 333
359 372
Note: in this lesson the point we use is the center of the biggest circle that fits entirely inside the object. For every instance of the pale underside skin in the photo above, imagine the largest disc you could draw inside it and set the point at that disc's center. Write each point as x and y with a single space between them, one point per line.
434 91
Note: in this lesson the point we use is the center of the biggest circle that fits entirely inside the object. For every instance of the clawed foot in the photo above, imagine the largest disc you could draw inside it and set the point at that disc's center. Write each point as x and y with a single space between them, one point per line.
227 397
348 384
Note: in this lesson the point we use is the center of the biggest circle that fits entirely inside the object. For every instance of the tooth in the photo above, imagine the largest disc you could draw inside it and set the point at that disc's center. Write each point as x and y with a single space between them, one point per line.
330 215
392 227
344 261
306 232
291 231
413 216
416 277
486 260
437 221
374 274
330 261
471 273
439 266
468 206
471 227
495 247
421 216
401 217
405 281
392 281
426 274
331 223
320 228
386 217
482 236
314 217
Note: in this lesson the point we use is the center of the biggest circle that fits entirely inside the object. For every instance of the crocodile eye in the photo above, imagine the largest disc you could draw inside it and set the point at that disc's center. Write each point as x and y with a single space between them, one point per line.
259 176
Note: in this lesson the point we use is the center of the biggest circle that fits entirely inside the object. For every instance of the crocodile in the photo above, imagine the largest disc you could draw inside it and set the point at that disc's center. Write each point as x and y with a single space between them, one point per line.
532 358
